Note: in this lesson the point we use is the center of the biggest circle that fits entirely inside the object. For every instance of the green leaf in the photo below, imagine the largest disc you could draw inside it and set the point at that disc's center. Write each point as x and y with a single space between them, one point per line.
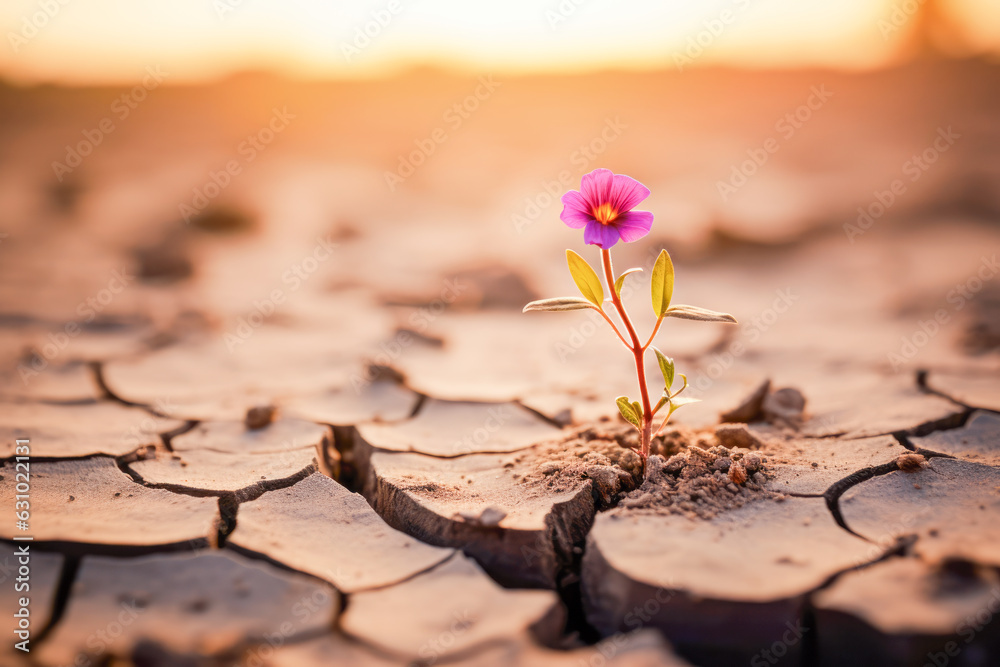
666 367
621 280
559 303
628 412
637 408
662 284
676 403
585 278
699 314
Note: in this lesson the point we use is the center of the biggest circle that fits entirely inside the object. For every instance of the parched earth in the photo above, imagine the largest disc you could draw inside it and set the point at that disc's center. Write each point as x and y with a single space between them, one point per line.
314 429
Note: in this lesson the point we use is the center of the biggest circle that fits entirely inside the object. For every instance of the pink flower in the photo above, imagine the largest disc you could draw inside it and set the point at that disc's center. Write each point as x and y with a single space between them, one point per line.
603 207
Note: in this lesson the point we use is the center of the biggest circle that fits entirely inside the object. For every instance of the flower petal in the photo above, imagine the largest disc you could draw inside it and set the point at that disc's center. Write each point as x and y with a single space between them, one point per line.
596 187
603 236
575 213
633 225
626 193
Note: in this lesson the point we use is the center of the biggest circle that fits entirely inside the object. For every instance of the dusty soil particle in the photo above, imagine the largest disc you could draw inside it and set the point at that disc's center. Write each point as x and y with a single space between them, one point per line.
911 462
737 435
259 416
690 473
784 406
599 452
750 408
490 517
701 483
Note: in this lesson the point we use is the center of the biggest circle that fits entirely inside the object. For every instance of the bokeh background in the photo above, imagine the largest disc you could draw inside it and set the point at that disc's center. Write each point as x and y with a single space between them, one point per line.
287 193
214 205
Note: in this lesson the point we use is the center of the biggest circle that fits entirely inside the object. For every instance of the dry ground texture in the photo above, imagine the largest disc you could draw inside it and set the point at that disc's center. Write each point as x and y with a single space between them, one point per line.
428 476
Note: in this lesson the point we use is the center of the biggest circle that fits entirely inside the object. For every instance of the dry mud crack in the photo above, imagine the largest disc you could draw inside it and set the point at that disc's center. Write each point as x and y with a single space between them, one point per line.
739 537
478 508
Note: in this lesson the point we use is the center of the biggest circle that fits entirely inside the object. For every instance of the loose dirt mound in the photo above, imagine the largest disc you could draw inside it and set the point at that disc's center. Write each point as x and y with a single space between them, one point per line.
702 482
690 471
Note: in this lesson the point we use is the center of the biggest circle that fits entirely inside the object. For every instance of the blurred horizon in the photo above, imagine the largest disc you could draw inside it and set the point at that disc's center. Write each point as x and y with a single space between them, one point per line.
111 42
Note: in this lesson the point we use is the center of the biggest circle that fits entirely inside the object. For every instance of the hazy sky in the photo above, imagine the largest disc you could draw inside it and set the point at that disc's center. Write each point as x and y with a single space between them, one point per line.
114 40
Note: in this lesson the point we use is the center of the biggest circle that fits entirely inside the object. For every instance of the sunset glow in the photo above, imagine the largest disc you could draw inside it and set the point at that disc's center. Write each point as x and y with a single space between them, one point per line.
101 41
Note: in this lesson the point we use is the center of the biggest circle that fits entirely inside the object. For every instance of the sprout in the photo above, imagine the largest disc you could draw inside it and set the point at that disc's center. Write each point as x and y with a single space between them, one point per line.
603 208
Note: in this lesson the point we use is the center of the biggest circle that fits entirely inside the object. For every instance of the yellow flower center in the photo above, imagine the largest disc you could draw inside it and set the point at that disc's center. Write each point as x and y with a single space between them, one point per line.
605 214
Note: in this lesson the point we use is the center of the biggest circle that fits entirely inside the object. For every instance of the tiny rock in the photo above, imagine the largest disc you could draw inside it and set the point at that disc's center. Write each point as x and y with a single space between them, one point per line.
737 435
784 405
749 409
490 517
753 462
737 473
911 462
259 416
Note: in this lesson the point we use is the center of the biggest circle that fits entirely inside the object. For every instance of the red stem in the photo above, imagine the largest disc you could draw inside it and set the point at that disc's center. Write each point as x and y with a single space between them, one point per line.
638 351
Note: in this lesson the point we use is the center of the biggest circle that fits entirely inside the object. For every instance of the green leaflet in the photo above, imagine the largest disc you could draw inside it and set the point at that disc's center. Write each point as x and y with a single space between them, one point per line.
662 283
585 278
628 411
621 280
676 403
666 367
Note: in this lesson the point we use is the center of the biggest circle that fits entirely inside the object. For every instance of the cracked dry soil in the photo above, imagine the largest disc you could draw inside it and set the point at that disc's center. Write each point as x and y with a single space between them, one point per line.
396 467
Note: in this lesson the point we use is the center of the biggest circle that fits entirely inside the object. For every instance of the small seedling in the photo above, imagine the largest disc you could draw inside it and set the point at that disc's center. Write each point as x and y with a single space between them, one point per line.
603 208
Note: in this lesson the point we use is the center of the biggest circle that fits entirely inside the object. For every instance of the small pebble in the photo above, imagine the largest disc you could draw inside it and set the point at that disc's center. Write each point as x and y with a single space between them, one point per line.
910 462
737 473
259 416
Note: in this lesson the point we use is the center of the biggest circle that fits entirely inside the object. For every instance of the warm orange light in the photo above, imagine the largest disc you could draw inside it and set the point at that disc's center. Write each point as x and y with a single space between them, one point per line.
114 40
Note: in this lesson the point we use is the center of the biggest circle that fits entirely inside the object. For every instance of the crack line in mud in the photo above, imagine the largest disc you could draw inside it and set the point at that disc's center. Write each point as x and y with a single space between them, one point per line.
445 457
904 441
569 572
229 506
67 577
245 494
923 385
419 405
348 471
168 437
837 489
833 494
228 501
97 372
810 644
551 421
949 423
